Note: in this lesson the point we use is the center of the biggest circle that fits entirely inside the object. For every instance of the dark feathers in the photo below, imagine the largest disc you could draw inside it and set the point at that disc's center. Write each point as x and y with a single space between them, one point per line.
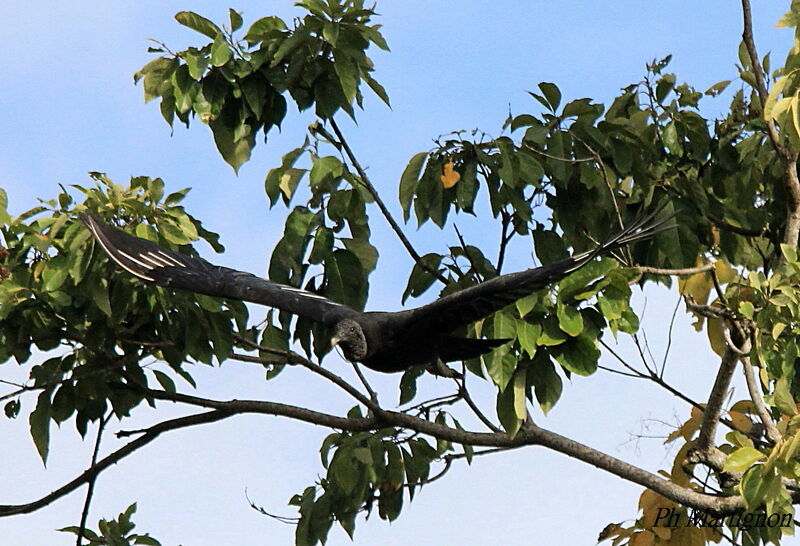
386 342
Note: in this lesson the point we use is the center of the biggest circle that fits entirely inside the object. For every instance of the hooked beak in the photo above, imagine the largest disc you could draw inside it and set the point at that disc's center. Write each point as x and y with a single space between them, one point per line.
335 341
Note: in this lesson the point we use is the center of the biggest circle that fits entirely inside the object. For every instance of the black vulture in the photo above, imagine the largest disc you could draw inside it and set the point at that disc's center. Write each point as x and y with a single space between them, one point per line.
383 341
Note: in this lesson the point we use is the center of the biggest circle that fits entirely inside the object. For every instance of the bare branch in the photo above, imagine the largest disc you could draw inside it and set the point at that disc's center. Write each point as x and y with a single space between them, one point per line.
713 409
530 435
90 491
151 434
678 272
294 358
755 395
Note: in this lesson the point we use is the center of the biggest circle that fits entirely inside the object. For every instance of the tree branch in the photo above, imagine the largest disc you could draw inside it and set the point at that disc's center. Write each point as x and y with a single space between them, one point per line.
530 435
787 155
679 272
150 435
713 409
294 358
758 401
381 205
90 491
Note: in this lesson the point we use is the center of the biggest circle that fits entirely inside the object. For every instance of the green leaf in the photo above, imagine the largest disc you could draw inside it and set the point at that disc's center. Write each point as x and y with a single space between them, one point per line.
500 365
330 31
506 411
548 245
4 216
790 19
289 181
409 181
165 381
526 304
570 319
54 275
579 355
324 168
541 373
783 398
263 27
742 459
552 94
408 384
755 484
671 139
344 279
155 74
527 334
746 309
198 23
367 254
39 421
236 19
774 93
234 151
99 295
551 333
789 252
504 326
220 51
377 88
173 233
420 280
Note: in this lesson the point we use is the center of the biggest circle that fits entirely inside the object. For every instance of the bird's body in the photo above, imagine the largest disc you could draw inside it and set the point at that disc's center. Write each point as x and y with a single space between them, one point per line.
383 341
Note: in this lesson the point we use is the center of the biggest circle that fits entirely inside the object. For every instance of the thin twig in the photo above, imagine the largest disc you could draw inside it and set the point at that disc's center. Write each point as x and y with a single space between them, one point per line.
464 392
372 394
504 240
90 491
294 358
758 401
679 272
384 210
787 154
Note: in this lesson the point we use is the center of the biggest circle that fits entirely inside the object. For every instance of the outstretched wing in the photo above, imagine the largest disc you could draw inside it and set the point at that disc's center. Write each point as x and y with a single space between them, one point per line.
151 262
479 301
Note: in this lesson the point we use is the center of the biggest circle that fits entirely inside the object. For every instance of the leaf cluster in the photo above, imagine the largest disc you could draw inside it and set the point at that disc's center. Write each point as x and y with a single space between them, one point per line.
237 84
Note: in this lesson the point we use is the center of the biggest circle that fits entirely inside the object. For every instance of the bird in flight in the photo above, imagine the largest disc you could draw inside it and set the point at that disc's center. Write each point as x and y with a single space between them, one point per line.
383 341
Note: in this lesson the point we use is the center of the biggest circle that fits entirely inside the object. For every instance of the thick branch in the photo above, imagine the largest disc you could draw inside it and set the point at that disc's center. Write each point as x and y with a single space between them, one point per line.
531 435
381 205
150 435
713 409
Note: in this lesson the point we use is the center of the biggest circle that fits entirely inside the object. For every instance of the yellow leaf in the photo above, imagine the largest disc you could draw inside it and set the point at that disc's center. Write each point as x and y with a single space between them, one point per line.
698 286
725 273
520 408
650 503
715 335
450 176
741 421
642 538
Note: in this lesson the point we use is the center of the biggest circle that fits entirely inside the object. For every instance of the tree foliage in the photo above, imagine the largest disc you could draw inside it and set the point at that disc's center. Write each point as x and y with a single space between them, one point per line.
563 176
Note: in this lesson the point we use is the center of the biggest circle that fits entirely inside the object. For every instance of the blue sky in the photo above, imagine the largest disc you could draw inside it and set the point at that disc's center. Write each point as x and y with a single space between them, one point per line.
69 106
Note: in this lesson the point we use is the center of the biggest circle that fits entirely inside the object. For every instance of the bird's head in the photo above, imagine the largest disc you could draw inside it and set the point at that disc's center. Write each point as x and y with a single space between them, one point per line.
350 337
